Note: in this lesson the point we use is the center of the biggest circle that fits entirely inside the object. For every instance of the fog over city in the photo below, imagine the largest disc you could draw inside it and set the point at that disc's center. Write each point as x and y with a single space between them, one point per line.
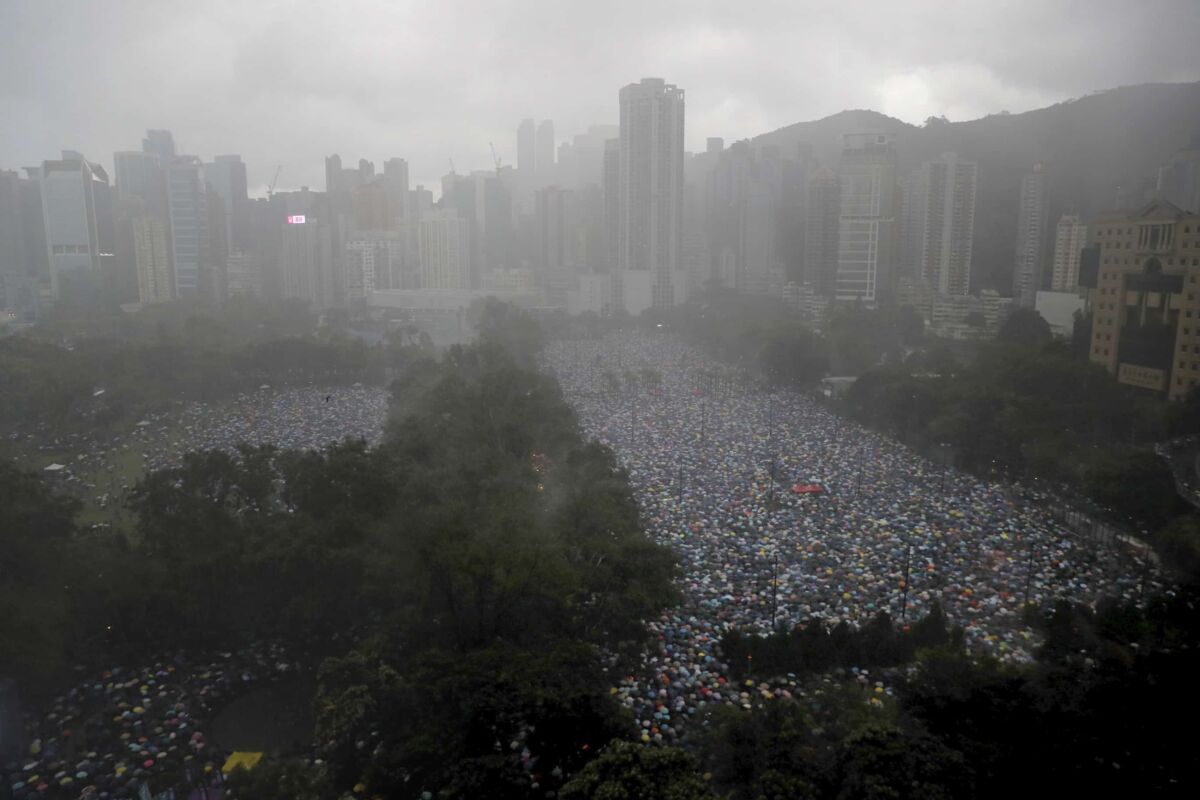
285 82
611 400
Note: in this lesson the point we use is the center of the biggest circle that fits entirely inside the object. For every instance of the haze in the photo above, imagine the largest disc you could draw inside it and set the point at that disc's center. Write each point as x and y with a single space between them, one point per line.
284 83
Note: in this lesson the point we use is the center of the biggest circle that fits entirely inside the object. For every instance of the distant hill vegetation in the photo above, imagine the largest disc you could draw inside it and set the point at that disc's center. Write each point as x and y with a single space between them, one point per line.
1100 152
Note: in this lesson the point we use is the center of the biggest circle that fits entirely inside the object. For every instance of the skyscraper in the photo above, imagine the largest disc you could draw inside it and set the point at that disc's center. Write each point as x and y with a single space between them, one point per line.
651 195
1069 239
18 283
226 177
949 223
187 206
395 184
552 218
445 241
1031 238
152 259
821 232
611 186
544 154
306 261
867 219
161 143
1179 181
526 147
77 214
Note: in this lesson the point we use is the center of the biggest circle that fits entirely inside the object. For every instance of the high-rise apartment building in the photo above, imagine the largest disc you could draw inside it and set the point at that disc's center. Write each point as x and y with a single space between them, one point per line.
1031 238
651 195
949 223
187 208
306 261
611 187
445 246
821 232
553 211
868 216
1070 237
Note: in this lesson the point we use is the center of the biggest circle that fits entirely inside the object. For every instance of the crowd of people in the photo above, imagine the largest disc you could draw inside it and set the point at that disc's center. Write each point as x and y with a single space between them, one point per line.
783 513
104 467
122 729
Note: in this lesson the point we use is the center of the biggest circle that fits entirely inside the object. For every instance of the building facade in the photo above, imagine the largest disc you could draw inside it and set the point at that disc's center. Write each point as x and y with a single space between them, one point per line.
868 217
445 246
1070 237
651 195
1146 305
1031 238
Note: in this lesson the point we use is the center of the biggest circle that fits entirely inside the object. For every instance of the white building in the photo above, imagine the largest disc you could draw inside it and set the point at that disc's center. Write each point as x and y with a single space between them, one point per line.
445 247
868 216
650 196
1069 239
948 229
1031 233
376 260
75 207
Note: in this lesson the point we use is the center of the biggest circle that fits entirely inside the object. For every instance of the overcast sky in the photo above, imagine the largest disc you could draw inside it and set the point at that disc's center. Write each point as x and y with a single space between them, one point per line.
285 82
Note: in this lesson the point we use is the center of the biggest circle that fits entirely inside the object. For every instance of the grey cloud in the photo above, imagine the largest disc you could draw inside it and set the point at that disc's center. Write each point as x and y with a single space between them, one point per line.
286 82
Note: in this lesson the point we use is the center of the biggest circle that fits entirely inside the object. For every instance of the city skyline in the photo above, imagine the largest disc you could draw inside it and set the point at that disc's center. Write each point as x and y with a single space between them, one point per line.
270 78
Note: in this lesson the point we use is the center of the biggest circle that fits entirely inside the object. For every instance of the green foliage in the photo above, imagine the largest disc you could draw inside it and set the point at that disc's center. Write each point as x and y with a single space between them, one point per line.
1028 410
817 648
289 779
1025 326
626 771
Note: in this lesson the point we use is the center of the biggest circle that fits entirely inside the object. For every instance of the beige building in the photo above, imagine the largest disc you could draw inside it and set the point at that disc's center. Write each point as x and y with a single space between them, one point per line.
1146 328
1069 239
153 260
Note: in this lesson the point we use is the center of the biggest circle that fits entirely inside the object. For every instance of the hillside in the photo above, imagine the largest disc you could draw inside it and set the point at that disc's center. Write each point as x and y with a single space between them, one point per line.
1100 152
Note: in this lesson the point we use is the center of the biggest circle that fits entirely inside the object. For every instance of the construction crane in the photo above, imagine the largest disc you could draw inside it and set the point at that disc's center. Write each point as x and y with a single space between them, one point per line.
275 180
495 157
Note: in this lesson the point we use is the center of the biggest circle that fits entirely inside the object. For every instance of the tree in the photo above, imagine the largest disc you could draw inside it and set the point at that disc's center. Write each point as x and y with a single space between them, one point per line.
1025 326
627 771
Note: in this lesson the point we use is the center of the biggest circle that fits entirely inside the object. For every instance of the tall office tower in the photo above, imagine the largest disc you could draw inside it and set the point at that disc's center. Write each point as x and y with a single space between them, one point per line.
949 229
445 245
553 226
226 178
527 147
187 208
18 281
544 155
139 174
395 184
152 258
651 195
333 174
791 215
1179 181
741 218
868 217
77 215
611 186
1031 238
34 224
1070 237
306 261
580 161
821 232
161 143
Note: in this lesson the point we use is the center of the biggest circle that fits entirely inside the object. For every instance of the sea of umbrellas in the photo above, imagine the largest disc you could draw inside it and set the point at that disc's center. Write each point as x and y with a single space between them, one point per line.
123 729
308 417
781 513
